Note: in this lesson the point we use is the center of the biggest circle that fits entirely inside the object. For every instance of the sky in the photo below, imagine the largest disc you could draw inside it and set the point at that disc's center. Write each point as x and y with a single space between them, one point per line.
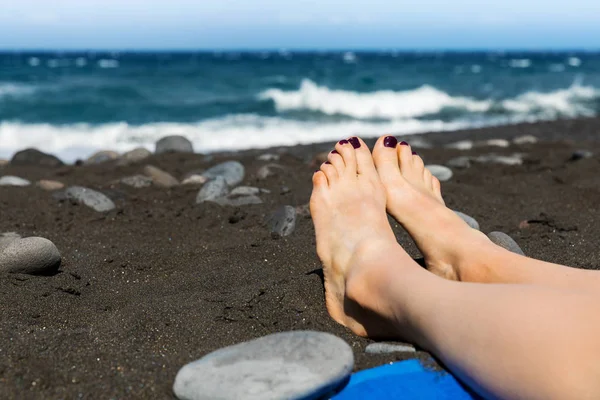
299 24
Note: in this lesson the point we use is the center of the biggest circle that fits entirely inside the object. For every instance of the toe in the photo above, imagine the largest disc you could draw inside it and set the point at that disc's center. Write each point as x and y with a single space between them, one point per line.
346 151
364 160
418 163
386 158
428 178
319 181
437 188
405 157
337 161
330 172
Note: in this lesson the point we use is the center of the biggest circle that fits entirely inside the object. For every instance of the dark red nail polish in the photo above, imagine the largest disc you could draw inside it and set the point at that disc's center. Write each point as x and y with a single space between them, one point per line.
403 143
344 141
334 151
390 141
327 162
414 153
354 142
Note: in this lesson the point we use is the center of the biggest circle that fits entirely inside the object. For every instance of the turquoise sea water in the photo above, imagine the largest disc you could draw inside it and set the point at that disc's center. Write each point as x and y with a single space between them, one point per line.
74 103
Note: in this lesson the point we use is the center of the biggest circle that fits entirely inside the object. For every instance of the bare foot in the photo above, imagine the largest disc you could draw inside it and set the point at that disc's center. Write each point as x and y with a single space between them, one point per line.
348 209
414 199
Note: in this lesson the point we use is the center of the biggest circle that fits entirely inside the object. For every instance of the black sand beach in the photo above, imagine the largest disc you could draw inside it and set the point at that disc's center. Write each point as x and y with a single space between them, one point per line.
162 281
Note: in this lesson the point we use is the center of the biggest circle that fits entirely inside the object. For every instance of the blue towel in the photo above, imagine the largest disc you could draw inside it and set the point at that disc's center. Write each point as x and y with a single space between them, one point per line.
406 380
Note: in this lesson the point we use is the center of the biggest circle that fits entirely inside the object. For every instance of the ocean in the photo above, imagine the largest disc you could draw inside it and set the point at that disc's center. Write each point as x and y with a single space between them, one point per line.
72 104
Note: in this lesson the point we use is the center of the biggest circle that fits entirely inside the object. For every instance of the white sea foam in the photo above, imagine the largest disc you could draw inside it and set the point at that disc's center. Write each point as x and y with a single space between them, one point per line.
9 89
385 104
108 63
520 63
574 61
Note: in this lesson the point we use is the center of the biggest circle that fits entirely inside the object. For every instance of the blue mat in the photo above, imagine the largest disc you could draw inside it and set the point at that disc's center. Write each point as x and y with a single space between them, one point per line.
403 380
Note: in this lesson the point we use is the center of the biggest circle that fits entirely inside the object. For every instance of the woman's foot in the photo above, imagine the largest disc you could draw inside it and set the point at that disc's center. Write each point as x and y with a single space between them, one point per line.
353 234
414 199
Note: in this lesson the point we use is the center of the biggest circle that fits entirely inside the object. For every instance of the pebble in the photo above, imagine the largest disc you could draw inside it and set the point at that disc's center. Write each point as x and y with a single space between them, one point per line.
174 144
32 255
35 157
135 155
90 198
472 222
418 142
232 171
50 185
213 190
295 365
503 240
238 200
137 181
440 172
303 210
268 157
496 143
515 159
580 154
194 180
460 162
385 348
268 170
461 145
526 139
248 190
9 180
283 221
102 156
160 177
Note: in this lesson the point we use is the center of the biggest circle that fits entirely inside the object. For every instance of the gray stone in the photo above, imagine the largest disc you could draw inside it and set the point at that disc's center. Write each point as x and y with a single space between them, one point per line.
50 185
90 198
232 171
194 180
160 177
514 159
503 240
581 154
460 162
212 190
248 190
174 144
32 255
469 220
283 221
269 170
9 180
526 139
284 366
461 145
102 156
7 238
135 155
268 157
137 181
440 172
238 200
495 143
35 157
385 348
418 142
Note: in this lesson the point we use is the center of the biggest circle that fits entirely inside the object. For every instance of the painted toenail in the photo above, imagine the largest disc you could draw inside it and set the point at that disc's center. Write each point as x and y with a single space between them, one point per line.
390 141
414 153
344 141
403 143
354 142
327 162
334 151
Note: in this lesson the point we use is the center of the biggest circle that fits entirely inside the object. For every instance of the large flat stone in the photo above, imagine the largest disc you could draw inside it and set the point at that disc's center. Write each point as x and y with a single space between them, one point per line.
35 157
284 366
90 198
232 171
440 172
212 190
9 180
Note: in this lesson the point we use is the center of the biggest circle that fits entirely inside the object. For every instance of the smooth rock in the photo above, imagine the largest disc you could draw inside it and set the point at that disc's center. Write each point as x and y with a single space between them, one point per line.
268 157
213 190
515 159
440 172
174 144
461 145
238 200
102 156
7 238
385 348
303 210
460 162
135 155
90 198
472 222
581 154
232 171
283 221
526 139
32 255
137 181
160 177
419 142
50 185
496 143
248 191
194 180
505 241
9 180
283 366
35 157
268 170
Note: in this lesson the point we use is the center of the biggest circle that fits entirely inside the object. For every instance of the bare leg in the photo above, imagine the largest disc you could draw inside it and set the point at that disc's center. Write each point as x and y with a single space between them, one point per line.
451 249
507 341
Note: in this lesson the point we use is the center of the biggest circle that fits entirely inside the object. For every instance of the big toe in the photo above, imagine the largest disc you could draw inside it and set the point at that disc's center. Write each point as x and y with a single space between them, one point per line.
364 160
